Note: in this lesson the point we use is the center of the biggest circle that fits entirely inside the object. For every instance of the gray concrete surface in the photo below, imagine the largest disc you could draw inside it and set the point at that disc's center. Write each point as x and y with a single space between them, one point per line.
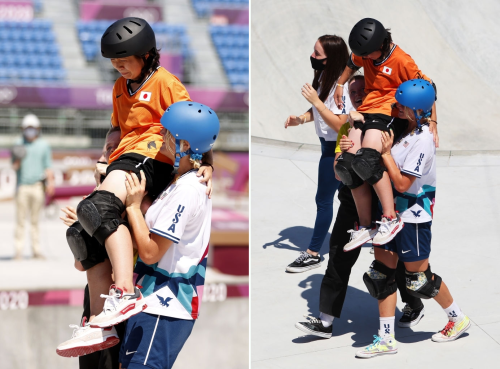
465 253
453 42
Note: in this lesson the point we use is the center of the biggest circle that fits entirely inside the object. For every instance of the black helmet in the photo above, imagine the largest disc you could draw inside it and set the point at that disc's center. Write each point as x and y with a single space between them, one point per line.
126 37
367 36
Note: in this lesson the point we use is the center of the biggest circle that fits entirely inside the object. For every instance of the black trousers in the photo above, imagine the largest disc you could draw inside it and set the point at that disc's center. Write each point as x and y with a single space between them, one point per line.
105 359
336 279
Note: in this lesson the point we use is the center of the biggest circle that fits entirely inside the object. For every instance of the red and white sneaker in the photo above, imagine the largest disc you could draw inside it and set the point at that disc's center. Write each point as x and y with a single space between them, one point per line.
387 230
359 237
118 307
86 340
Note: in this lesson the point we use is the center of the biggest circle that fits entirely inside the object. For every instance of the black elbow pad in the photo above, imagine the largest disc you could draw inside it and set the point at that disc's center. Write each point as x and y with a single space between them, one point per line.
350 64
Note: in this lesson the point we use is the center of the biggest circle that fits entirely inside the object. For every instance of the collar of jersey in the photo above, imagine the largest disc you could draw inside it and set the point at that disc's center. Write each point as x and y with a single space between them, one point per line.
142 84
387 57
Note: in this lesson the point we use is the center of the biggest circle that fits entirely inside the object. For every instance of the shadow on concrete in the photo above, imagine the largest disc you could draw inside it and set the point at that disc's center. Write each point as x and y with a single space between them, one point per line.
298 239
359 316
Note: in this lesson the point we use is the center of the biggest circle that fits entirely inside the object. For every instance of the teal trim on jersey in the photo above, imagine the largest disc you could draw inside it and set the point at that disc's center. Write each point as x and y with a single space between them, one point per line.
185 296
401 204
200 269
148 285
427 206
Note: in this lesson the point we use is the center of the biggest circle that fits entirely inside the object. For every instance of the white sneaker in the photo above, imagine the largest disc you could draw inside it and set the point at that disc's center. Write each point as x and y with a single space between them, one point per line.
118 307
387 230
86 340
382 345
359 237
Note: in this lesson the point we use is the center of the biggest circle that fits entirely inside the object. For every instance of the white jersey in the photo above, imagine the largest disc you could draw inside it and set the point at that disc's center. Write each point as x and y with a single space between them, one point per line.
182 213
322 129
415 154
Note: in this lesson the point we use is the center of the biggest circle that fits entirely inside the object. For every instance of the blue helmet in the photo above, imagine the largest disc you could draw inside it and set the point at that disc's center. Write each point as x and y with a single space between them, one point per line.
192 122
417 94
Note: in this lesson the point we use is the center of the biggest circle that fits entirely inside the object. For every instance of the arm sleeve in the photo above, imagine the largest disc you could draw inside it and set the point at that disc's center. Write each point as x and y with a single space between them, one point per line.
114 114
342 131
174 92
47 159
415 161
176 213
354 62
411 71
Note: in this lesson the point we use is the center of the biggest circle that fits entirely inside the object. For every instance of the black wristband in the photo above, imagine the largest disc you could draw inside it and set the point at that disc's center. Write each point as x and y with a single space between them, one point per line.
101 162
208 165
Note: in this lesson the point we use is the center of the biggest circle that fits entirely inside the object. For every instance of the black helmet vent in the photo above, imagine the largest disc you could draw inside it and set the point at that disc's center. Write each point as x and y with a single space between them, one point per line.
136 23
128 29
120 37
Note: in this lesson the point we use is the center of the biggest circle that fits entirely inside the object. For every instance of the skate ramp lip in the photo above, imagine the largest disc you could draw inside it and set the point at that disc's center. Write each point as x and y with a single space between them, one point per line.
456 53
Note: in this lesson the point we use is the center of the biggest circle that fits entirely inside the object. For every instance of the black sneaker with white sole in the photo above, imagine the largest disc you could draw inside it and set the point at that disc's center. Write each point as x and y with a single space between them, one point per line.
411 316
304 262
315 327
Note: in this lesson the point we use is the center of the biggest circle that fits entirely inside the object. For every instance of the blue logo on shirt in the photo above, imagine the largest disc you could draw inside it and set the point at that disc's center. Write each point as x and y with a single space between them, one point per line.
416 214
180 209
419 162
164 301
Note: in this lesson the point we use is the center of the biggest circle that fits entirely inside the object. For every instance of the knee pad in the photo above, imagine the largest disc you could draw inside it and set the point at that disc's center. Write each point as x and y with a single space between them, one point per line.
380 280
421 285
100 214
345 172
367 165
85 249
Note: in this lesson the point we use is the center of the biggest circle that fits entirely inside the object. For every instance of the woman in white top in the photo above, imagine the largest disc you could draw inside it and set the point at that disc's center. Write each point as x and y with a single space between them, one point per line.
328 61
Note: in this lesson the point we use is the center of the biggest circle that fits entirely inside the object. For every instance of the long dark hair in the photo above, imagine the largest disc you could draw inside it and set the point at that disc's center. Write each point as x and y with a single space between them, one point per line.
150 64
336 52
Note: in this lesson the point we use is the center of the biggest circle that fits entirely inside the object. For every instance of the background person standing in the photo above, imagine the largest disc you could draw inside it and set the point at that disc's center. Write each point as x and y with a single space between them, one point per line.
32 161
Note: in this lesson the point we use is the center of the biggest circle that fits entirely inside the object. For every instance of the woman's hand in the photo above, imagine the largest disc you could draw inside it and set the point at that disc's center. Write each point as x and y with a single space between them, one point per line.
345 143
206 172
70 216
354 116
100 170
310 94
337 96
433 128
293 120
387 139
136 189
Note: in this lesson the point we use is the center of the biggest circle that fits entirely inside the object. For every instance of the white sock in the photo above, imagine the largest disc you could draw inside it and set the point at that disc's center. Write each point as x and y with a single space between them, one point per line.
453 312
326 319
387 325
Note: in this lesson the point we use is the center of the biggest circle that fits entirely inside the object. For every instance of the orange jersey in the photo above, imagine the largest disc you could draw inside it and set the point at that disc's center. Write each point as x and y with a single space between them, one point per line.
138 113
383 79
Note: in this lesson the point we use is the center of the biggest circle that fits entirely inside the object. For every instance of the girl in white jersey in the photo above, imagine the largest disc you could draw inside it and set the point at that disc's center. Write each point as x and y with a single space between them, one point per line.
411 164
172 242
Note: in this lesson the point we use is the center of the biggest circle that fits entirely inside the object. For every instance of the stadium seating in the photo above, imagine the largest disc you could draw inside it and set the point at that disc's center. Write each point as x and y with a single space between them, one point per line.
232 46
169 37
204 8
29 52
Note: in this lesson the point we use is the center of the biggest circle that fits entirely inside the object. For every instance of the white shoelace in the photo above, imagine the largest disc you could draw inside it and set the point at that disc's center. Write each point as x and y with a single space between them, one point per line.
355 233
385 226
303 256
313 319
77 328
111 303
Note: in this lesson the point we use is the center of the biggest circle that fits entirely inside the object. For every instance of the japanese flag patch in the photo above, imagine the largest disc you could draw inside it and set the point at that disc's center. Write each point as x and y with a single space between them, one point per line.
387 70
145 96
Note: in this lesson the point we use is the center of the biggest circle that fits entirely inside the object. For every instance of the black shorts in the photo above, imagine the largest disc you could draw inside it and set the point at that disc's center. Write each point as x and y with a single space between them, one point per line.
158 174
383 123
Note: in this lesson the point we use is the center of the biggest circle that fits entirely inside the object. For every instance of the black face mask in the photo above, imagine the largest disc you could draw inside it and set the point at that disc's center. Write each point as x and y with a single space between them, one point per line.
317 64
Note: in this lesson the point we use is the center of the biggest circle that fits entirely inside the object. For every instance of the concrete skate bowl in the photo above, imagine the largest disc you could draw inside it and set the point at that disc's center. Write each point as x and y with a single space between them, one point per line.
456 43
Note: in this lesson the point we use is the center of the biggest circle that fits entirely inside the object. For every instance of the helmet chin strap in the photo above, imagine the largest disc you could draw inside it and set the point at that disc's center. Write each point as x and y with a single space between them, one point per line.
420 117
179 154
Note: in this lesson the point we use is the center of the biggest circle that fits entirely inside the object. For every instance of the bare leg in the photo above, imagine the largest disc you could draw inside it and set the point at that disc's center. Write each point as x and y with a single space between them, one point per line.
119 244
383 188
355 137
363 200
99 280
